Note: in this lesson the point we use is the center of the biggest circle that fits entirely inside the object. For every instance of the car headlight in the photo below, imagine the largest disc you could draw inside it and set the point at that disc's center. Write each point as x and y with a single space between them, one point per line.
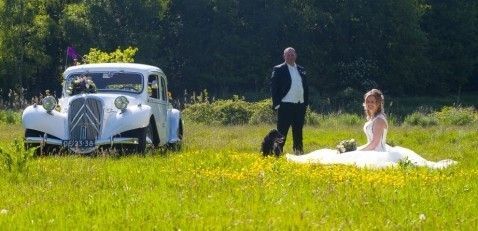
121 102
49 103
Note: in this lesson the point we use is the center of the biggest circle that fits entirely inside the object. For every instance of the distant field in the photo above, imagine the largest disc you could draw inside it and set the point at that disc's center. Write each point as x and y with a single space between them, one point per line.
220 181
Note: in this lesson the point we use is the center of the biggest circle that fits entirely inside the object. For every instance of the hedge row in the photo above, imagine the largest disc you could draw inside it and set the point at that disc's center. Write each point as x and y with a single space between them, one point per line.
237 111
446 116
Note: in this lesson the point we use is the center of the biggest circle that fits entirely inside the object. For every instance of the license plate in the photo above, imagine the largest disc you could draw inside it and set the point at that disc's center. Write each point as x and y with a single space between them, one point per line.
79 143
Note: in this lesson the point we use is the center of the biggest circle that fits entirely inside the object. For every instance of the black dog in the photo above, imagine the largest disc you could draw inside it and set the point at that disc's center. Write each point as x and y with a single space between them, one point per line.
272 143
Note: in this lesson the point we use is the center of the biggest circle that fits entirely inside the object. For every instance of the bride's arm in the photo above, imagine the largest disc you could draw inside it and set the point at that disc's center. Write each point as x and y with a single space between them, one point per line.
378 128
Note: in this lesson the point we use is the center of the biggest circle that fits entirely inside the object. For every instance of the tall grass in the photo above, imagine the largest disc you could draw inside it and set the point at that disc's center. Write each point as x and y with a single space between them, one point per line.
220 181
10 117
420 119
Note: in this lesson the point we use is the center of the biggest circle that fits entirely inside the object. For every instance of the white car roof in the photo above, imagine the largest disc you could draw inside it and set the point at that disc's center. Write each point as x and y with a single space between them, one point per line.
135 67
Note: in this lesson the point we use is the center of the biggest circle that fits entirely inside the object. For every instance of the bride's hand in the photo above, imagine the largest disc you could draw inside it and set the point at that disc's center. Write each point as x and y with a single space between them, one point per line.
361 147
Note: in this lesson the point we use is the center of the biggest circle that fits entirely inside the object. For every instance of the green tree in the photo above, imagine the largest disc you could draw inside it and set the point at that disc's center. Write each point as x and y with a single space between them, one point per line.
230 46
28 43
452 27
361 44
117 56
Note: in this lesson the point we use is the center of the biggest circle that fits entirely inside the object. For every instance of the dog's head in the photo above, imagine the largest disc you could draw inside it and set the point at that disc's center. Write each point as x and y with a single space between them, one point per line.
272 143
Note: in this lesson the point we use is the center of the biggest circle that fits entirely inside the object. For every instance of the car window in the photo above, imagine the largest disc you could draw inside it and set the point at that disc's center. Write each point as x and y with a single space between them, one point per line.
163 89
153 86
107 81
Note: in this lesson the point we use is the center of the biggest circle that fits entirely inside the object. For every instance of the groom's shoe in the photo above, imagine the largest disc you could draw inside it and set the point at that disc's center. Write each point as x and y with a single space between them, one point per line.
298 152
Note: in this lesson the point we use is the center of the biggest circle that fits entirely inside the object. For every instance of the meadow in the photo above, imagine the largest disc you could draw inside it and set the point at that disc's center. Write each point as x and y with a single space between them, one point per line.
220 181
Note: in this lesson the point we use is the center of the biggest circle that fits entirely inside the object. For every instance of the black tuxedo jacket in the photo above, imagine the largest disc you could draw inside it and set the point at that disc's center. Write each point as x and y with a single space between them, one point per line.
281 82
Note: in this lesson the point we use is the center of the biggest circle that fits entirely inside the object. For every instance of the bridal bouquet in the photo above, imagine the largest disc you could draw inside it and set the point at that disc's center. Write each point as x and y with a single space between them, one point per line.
82 84
347 146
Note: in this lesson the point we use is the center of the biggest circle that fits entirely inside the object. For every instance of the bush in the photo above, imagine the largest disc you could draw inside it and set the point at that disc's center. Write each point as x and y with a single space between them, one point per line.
263 113
200 113
457 115
226 112
237 111
420 119
232 112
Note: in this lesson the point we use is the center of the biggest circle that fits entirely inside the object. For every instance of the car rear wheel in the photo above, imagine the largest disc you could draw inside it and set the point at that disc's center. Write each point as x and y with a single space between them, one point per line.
176 146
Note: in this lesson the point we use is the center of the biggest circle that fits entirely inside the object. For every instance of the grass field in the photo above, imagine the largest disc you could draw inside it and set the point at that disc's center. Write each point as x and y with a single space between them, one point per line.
219 181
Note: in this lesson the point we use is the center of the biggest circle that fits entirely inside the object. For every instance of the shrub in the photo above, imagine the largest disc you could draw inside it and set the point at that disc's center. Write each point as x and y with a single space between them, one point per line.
200 113
456 115
226 112
237 111
263 113
420 119
232 112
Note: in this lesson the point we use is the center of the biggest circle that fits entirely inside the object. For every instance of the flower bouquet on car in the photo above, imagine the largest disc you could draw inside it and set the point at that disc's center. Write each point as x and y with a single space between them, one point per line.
82 84
347 146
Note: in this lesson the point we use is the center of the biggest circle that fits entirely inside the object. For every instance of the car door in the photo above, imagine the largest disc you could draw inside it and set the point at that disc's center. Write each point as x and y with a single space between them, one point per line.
158 100
163 105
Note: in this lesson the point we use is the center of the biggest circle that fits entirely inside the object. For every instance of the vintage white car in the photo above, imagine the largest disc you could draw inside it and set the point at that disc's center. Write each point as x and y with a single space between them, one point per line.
123 105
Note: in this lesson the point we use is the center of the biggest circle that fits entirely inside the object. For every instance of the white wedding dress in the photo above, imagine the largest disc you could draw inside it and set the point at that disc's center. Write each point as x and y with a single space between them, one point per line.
383 156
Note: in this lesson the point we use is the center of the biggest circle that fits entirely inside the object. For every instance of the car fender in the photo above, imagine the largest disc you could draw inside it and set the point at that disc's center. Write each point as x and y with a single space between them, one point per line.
37 118
133 117
174 118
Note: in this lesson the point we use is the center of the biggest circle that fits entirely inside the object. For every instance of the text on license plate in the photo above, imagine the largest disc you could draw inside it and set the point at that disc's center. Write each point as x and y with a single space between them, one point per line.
79 143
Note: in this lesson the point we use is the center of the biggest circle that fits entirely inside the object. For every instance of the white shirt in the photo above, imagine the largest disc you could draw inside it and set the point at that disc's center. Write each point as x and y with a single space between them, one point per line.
296 91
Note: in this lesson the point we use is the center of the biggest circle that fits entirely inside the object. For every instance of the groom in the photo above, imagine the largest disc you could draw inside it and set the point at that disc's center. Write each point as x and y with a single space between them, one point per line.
290 97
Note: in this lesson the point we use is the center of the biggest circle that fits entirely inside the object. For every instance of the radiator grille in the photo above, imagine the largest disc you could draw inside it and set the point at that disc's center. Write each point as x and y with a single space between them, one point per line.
84 118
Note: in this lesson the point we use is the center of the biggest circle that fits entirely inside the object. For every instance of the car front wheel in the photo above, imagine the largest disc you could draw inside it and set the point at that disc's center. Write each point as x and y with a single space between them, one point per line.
145 137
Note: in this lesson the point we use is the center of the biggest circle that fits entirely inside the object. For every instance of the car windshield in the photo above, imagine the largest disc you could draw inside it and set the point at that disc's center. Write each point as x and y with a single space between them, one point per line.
103 82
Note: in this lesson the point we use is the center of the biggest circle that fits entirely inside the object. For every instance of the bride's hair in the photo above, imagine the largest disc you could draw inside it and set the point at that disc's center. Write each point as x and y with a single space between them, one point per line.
377 94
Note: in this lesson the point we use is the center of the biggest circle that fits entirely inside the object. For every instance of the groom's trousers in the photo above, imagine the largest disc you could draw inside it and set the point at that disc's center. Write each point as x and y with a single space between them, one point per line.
292 114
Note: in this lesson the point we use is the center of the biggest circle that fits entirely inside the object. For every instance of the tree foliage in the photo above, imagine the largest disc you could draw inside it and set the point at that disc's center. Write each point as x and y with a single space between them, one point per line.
117 56
230 46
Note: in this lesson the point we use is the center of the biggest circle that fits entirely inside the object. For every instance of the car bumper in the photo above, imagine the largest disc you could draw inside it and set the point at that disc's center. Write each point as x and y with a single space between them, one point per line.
52 141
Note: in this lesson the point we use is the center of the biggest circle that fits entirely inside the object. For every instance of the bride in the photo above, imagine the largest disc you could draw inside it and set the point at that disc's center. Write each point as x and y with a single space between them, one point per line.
376 153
